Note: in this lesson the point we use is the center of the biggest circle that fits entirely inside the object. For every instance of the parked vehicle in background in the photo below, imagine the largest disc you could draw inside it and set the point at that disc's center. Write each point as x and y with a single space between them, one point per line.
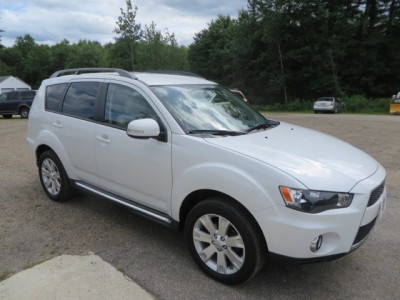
395 106
189 154
328 104
16 103
240 95
396 98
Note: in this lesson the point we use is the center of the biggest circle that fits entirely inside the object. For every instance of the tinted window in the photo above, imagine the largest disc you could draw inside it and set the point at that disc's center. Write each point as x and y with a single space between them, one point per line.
28 95
13 96
80 99
124 104
53 96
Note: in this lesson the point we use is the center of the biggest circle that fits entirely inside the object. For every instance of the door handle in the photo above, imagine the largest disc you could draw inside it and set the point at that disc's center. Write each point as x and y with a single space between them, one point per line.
57 124
103 139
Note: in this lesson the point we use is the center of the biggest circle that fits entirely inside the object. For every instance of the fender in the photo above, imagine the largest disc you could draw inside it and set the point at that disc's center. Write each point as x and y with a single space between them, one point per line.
230 180
49 139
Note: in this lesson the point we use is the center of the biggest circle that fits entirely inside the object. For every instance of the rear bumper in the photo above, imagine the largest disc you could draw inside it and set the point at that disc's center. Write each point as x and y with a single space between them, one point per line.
318 108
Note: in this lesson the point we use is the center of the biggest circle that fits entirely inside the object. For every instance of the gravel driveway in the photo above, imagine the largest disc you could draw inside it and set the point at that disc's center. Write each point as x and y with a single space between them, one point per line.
34 229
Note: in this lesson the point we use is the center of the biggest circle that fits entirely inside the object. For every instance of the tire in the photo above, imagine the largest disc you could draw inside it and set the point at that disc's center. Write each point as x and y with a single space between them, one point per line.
24 112
53 177
7 116
224 242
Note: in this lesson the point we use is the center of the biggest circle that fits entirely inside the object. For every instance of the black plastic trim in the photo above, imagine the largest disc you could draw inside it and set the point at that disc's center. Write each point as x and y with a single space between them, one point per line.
299 261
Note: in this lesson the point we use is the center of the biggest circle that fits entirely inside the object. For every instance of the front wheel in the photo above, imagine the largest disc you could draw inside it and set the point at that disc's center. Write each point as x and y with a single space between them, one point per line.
7 116
53 177
223 241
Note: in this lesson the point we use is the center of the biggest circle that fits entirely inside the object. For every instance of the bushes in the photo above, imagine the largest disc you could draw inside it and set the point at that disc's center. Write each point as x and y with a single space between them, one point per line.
296 105
353 104
360 104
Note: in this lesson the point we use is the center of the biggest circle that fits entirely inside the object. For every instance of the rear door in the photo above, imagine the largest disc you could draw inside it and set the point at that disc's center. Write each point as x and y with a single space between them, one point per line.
75 125
136 169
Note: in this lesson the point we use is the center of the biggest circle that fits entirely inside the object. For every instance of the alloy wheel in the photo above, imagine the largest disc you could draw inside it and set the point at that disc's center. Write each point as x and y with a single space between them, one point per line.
219 244
51 177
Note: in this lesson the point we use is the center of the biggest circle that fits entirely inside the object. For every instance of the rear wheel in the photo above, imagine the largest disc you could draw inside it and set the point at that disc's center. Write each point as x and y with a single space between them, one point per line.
53 177
7 116
223 241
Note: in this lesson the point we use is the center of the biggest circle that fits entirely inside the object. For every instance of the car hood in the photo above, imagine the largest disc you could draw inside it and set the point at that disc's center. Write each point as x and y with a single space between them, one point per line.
317 160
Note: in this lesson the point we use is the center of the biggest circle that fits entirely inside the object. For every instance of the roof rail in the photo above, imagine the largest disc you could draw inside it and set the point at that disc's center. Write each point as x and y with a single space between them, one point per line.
182 73
78 71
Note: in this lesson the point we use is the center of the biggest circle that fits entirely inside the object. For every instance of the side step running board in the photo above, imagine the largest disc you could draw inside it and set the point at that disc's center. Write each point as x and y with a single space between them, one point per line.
141 210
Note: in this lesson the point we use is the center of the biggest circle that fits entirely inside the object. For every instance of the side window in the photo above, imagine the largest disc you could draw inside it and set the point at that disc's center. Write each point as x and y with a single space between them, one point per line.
124 104
12 96
28 95
53 96
3 97
80 99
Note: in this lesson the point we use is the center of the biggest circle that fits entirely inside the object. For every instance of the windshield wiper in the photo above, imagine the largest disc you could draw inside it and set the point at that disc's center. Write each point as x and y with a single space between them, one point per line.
263 125
216 132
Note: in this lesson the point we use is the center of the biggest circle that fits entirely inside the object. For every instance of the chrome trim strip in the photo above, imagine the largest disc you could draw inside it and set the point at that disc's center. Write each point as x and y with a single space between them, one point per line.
130 205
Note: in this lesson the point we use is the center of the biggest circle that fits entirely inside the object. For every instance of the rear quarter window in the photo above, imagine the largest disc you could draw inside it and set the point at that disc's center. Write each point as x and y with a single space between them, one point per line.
53 96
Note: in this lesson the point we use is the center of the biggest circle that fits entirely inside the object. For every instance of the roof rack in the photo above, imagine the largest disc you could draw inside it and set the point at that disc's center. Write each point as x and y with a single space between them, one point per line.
182 73
78 71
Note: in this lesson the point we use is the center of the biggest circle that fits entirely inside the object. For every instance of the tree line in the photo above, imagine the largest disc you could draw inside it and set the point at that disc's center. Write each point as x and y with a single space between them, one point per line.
276 51
281 50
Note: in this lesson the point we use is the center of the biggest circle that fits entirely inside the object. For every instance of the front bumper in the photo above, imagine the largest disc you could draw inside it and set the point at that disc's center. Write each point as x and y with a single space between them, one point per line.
289 233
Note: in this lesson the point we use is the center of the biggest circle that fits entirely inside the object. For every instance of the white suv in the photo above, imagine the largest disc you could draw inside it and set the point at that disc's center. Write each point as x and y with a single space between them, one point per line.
187 153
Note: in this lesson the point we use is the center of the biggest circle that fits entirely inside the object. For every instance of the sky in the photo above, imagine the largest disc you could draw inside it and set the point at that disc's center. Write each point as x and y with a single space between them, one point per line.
51 21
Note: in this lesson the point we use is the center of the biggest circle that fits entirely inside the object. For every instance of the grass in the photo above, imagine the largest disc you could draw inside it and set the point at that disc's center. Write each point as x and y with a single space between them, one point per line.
4 275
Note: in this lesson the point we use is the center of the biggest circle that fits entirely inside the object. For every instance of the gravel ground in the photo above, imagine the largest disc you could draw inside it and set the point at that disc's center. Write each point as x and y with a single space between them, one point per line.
34 229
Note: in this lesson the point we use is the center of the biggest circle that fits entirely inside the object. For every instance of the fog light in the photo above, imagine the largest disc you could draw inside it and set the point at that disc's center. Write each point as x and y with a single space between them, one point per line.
316 244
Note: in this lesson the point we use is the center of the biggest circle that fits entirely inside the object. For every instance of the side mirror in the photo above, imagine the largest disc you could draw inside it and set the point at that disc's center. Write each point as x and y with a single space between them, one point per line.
143 129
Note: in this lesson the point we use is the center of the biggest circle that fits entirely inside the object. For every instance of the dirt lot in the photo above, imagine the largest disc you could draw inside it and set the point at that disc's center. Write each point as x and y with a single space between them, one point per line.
33 228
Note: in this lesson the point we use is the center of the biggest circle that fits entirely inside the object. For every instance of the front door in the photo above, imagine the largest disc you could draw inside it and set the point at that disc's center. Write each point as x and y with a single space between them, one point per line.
136 169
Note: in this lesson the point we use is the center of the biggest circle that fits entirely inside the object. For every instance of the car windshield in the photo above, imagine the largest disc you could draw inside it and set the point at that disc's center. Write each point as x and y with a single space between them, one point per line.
325 99
208 108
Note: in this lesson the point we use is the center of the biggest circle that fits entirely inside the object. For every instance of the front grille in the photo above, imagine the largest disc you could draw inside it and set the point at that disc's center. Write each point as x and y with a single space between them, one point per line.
363 231
376 193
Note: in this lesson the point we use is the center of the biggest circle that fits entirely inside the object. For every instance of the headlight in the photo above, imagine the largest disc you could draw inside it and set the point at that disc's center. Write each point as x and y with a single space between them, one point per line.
314 201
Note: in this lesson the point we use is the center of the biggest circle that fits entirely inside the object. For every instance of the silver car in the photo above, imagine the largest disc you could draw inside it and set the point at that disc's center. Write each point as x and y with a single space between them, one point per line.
328 104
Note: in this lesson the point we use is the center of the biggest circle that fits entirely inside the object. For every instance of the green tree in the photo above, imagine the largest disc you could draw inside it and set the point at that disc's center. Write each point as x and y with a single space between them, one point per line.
209 54
160 51
129 33
11 62
59 54
24 44
37 65
288 49
85 54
